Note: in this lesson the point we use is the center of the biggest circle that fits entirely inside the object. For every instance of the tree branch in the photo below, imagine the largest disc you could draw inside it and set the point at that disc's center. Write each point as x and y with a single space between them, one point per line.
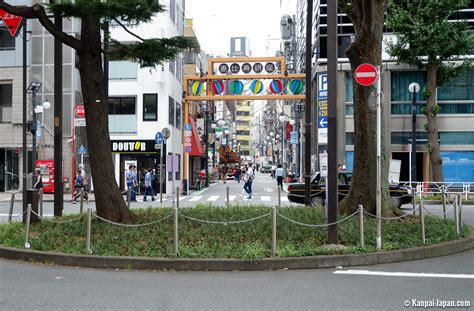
127 30
38 11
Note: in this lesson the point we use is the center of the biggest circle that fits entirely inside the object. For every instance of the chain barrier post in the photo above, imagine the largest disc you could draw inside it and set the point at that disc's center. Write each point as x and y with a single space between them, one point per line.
461 224
413 201
279 197
456 214
175 232
422 222
10 212
129 196
177 196
274 231
40 202
81 193
444 202
228 202
361 225
89 230
27 225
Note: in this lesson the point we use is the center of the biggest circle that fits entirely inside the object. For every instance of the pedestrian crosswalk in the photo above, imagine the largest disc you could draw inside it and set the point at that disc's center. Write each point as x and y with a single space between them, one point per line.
233 198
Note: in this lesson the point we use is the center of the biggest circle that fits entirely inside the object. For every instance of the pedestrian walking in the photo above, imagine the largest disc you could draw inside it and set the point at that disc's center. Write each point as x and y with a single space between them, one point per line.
279 172
129 177
38 185
238 173
273 170
78 186
149 185
249 175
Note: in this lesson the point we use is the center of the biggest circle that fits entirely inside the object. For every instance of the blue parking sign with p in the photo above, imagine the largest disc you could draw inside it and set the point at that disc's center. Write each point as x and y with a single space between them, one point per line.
322 86
158 138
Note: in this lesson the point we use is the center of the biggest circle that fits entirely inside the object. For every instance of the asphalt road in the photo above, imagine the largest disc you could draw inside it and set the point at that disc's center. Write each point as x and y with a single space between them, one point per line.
26 286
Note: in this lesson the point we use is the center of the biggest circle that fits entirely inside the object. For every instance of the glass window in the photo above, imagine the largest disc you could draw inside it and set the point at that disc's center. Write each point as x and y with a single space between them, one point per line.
150 107
403 138
171 112
349 138
123 70
122 105
7 42
349 90
5 103
458 166
243 132
406 108
178 115
457 138
400 81
459 88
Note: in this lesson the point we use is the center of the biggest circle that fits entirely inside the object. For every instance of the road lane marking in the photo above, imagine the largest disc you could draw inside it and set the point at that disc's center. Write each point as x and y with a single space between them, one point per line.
406 274
182 198
232 197
213 198
284 199
196 198
265 198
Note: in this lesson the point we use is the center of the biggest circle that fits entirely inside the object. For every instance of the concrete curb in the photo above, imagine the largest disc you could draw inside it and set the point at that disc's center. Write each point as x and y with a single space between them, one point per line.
313 262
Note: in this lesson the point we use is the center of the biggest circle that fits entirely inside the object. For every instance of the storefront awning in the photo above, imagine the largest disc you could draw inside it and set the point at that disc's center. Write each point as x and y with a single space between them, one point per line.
196 146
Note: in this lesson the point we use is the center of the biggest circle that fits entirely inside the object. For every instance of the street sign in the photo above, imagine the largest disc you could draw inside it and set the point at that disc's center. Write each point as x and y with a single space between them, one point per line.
365 74
322 122
157 146
166 133
323 164
82 150
158 138
11 21
323 86
79 111
187 149
188 127
79 122
294 137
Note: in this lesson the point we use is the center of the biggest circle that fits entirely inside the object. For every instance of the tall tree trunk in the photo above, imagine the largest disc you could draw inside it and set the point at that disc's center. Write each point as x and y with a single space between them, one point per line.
432 115
368 17
110 203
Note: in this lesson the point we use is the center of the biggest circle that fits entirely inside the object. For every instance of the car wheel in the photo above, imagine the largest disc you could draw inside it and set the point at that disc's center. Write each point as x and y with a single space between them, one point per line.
317 201
397 203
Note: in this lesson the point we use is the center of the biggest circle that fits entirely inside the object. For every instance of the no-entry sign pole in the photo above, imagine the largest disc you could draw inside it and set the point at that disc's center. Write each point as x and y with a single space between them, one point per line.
366 75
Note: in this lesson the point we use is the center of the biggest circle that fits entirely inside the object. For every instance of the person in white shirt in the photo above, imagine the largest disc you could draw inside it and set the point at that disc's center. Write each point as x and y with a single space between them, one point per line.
248 181
279 176
273 171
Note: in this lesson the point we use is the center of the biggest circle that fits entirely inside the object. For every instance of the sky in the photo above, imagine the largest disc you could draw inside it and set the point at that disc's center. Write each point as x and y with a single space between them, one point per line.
216 21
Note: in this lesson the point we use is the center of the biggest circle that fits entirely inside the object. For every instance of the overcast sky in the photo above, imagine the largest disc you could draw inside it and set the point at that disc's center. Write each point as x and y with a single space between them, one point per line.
216 21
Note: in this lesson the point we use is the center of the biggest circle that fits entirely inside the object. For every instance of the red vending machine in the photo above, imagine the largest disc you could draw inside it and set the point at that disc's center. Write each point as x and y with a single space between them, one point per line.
47 174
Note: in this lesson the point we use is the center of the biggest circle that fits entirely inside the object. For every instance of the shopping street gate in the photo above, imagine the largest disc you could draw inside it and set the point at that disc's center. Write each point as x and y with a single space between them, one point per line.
242 78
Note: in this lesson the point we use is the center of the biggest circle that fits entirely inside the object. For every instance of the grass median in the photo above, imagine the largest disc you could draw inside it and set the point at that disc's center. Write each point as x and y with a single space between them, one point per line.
220 232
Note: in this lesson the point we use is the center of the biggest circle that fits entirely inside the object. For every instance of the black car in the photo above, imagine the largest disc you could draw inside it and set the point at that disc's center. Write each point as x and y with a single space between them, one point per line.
296 192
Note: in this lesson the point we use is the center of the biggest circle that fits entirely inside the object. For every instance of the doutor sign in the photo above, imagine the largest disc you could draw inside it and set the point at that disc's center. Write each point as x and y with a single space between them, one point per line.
365 74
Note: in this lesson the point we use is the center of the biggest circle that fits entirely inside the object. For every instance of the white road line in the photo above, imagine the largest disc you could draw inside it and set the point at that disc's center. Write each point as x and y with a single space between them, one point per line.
284 199
182 198
13 215
196 198
232 197
406 274
265 198
212 198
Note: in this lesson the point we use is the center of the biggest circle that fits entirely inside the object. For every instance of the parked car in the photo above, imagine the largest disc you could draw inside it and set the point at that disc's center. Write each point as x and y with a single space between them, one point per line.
266 169
296 192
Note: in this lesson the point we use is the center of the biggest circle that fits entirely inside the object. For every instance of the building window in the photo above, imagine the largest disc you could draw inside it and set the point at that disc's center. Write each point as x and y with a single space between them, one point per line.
122 105
241 122
123 70
150 107
243 113
404 138
349 138
172 9
171 112
5 103
243 132
7 42
400 80
459 88
456 138
178 115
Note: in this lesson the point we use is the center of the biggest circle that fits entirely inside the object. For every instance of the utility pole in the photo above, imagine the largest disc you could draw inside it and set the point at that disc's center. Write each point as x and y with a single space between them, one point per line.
308 69
58 121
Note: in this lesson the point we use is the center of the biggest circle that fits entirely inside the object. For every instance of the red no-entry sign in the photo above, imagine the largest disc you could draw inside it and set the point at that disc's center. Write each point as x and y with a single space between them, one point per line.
80 111
365 74
11 21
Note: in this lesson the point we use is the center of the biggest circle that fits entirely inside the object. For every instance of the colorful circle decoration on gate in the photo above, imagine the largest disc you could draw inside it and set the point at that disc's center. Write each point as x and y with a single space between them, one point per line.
295 86
236 87
217 87
197 88
256 86
276 86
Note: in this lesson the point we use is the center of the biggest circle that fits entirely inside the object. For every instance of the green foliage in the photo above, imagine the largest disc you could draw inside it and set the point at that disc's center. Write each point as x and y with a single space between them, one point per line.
429 147
424 31
426 127
248 240
133 11
435 110
424 110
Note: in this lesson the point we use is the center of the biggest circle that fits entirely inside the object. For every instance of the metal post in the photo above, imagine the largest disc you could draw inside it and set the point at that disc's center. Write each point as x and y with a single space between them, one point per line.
274 231
177 196
331 188
161 170
27 225
444 202
378 198
129 196
461 224
308 103
413 201
279 197
422 222
361 225
40 192
175 235
413 136
89 229
81 193
456 215
206 135
24 120
228 203
58 121
10 212
34 129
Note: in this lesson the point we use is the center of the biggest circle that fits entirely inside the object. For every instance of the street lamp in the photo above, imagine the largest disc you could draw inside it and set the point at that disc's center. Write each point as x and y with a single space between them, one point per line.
413 88
221 123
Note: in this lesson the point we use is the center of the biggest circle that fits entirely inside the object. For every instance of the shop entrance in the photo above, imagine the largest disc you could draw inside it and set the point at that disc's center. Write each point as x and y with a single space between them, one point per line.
9 179
405 168
143 163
